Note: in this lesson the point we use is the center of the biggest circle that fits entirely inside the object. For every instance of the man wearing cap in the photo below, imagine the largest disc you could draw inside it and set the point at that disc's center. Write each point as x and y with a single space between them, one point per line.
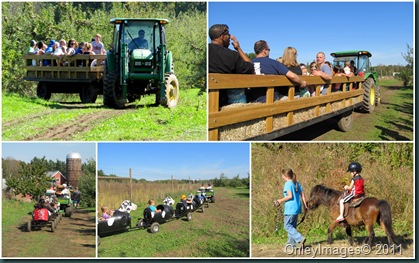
65 191
224 60
98 47
270 66
138 42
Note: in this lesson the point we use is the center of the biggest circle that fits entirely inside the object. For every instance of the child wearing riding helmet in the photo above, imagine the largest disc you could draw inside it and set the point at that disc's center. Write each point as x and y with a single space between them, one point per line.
356 187
292 206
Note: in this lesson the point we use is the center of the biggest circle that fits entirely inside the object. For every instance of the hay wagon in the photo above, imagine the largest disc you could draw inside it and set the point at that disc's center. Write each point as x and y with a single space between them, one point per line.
82 74
273 119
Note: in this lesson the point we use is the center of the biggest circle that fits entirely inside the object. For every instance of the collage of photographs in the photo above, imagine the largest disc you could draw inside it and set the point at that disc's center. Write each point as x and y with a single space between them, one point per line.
207 130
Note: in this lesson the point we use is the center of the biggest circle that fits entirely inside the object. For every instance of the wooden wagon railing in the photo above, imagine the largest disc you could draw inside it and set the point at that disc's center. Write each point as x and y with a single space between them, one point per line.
74 69
266 121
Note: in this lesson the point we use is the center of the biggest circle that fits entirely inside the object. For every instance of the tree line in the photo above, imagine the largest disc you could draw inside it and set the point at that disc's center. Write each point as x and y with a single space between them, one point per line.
221 181
43 21
31 178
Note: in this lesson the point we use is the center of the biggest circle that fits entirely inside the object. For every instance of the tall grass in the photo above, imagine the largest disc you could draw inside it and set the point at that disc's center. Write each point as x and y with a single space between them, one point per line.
387 170
112 193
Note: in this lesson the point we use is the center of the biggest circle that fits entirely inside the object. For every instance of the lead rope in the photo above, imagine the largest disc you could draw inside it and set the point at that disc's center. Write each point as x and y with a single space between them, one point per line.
277 216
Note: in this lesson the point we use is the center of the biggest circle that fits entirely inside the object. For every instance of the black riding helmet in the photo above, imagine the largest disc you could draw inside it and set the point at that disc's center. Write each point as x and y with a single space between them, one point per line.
354 166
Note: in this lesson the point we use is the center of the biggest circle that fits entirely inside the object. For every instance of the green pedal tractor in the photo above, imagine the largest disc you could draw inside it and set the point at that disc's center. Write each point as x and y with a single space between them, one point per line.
139 64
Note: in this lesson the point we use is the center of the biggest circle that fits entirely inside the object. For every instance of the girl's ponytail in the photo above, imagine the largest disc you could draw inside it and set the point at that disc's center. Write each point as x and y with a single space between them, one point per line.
290 174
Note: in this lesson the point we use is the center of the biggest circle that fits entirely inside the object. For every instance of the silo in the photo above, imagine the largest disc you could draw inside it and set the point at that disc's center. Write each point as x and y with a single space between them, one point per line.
73 168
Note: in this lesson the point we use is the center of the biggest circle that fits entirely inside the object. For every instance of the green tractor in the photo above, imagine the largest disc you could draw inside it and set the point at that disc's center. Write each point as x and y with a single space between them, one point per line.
139 64
363 68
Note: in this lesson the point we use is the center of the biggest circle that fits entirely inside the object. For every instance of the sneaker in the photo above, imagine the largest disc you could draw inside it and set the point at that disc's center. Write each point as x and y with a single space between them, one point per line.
302 242
340 219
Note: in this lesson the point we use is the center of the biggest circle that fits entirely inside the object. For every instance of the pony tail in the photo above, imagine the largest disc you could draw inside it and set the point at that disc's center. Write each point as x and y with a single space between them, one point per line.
294 180
290 174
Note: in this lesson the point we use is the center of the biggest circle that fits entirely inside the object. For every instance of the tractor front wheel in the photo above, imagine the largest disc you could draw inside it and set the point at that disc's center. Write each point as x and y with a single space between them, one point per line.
171 91
112 92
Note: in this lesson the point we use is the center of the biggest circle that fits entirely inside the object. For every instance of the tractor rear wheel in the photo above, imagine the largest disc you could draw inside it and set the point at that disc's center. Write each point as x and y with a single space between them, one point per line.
88 94
112 92
172 91
43 91
369 95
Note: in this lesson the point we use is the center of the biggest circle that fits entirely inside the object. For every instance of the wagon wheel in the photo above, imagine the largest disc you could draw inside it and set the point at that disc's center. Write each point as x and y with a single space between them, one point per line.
154 228
88 94
189 216
345 121
140 222
43 91
29 226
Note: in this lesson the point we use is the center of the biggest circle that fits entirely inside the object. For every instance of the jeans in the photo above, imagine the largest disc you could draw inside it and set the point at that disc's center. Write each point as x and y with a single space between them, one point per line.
290 224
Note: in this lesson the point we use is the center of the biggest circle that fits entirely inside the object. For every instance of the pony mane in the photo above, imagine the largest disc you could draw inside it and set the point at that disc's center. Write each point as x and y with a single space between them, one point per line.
329 192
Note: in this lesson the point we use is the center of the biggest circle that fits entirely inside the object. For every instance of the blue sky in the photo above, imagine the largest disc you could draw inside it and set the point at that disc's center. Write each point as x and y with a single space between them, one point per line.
383 28
157 161
26 151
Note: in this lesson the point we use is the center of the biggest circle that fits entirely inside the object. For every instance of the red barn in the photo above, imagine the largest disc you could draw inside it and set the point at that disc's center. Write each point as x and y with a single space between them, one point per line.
58 177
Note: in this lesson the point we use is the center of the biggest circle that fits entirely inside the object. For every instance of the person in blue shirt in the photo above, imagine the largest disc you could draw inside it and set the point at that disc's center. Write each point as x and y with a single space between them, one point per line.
269 66
293 194
152 206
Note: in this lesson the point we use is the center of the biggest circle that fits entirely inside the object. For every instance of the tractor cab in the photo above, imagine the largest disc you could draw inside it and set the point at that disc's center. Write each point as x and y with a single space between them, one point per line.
360 58
139 63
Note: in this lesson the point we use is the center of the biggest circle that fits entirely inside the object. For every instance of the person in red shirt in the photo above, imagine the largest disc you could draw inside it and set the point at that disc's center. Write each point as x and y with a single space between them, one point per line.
356 187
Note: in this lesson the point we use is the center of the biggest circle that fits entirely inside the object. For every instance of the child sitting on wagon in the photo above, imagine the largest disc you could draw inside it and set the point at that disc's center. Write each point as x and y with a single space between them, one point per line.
106 213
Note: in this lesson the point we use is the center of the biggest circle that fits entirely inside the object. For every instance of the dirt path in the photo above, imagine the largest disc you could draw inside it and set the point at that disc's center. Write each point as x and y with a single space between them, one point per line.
339 249
73 237
83 124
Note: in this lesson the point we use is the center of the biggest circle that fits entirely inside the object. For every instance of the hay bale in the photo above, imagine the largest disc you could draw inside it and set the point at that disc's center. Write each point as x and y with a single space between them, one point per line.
243 130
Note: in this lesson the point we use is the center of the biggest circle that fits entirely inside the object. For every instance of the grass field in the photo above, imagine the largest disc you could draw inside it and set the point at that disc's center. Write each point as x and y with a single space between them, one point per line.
222 230
58 119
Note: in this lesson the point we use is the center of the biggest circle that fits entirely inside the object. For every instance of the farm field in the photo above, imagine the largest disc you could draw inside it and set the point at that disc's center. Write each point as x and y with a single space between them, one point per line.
28 119
73 237
222 230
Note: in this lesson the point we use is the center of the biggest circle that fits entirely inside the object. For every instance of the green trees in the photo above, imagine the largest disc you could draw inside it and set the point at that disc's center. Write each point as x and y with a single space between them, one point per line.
24 21
31 178
406 74
87 183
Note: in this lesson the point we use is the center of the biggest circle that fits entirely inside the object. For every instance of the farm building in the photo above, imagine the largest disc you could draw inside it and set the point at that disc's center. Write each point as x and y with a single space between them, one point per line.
58 177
